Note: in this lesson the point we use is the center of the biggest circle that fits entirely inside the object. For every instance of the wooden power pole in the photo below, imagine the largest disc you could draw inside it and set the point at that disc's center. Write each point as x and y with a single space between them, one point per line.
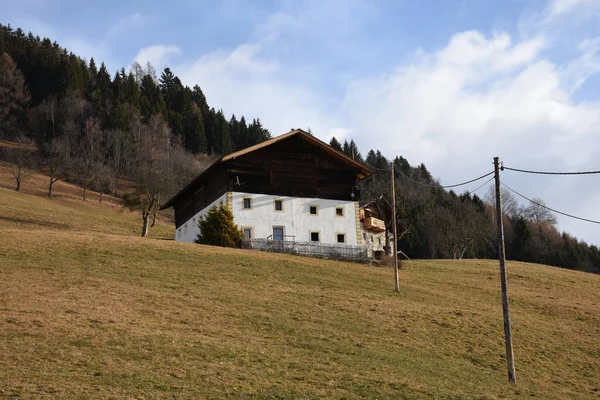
502 259
395 246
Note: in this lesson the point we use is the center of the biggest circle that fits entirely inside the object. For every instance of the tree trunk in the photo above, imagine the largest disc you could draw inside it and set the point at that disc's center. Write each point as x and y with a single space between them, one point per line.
101 193
18 177
153 220
84 192
51 183
145 225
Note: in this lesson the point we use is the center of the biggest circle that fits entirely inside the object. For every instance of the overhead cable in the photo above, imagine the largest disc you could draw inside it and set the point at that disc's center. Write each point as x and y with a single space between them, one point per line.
550 173
551 209
446 186
479 187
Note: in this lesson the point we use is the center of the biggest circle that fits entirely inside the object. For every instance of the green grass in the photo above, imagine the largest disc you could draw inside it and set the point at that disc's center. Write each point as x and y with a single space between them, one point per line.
89 310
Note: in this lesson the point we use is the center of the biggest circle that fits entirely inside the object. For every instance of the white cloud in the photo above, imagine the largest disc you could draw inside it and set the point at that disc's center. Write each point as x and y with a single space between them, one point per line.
561 8
157 55
130 22
453 109
457 108
243 82
578 71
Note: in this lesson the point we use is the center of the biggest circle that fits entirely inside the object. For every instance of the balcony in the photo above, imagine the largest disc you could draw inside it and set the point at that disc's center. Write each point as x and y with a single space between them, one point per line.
374 224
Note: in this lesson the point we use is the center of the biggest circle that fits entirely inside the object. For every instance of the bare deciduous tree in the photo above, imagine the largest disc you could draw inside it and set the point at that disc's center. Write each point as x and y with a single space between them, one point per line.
13 92
21 159
49 108
138 72
510 205
120 150
411 203
160 170
151 171
57 158
88 154
103 179
536 213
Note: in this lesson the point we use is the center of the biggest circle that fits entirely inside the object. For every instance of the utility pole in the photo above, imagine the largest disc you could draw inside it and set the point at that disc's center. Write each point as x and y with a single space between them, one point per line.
395 247
502 259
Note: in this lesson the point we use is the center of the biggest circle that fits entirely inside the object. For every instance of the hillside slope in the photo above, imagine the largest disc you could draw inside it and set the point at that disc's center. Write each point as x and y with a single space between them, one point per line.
89 310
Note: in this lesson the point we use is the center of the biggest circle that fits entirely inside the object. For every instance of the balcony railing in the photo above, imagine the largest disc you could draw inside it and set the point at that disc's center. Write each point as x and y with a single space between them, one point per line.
315 249
374 224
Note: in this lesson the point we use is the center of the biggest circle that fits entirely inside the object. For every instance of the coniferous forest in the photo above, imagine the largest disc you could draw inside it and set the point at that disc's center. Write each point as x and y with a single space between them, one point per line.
100 128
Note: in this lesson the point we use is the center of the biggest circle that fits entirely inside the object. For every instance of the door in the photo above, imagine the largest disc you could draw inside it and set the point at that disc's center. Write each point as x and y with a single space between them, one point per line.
278 233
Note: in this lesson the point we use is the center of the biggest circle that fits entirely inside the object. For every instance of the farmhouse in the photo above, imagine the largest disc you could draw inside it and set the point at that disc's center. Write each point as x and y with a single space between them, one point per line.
292 188
373 231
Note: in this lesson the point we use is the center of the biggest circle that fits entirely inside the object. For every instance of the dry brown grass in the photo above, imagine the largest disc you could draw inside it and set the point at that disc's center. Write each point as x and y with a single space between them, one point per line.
105 314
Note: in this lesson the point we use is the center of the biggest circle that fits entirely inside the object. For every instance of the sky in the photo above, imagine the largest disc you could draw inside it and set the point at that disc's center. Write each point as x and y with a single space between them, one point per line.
450 84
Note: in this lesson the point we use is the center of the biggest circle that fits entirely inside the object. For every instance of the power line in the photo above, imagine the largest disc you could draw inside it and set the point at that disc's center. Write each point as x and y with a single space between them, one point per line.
551 209
479 187
550 173
436 186
373 167
446 186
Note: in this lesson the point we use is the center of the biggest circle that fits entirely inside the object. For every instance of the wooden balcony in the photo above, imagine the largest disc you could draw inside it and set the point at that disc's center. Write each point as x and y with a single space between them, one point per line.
374 224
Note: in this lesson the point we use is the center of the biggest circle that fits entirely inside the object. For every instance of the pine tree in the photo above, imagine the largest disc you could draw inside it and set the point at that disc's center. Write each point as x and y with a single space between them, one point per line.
223 144
244 135
210 127
166 83
346 149
234 132
151 101
257 133
195 136
218 229
353 151
335 144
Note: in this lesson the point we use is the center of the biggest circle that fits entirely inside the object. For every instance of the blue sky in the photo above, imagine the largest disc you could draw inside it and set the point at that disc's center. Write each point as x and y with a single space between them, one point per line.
449 83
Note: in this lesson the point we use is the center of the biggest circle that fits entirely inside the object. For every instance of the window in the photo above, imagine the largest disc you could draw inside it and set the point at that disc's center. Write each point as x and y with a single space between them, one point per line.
379 240
178 233
339 211
185 229
341 238
247 233
364 236
314 210
314 236
278 205
247 202
278 233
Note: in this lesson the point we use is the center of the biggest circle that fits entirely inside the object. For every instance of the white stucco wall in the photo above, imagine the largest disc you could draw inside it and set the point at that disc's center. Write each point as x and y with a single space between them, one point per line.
295 218
189 231
373 241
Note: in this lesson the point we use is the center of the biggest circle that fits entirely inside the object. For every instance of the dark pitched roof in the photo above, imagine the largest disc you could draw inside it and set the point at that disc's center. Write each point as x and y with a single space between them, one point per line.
364 171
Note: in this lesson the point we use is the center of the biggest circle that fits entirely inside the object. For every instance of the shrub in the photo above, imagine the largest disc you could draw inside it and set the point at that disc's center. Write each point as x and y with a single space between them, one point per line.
217 229
388 261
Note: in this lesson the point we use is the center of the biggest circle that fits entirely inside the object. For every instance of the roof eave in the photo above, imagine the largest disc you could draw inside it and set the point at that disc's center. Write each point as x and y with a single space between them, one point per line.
170 202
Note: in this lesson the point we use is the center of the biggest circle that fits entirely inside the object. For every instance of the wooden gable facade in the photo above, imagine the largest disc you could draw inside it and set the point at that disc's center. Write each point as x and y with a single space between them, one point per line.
295 164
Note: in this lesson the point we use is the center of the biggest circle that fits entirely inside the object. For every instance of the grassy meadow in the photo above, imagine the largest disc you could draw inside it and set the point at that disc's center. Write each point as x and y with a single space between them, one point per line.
90 310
